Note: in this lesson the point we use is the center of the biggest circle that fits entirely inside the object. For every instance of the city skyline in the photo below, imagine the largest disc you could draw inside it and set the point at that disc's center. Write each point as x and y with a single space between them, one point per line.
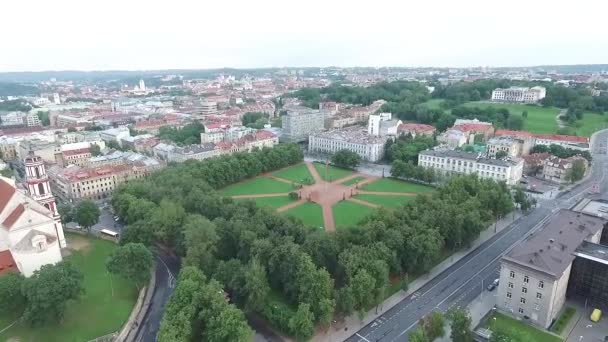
146 36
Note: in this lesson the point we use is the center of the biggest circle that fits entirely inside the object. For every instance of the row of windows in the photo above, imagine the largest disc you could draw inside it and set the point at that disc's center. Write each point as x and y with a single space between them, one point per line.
541 284
464 163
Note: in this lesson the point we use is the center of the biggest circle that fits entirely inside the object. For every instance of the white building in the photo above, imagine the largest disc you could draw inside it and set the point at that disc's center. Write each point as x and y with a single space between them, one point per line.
452 138
506 144
115 134
567 141
31 234
368 147
196 152
519 94
373 123
301 122
460 162
208 107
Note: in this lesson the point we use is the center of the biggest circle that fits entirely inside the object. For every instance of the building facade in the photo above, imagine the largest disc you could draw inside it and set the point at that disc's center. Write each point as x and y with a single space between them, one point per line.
558 170
356 139
458 162
507 145
300 123
519 94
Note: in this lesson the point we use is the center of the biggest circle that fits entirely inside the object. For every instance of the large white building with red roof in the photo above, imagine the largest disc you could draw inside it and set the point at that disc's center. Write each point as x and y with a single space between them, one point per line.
31 234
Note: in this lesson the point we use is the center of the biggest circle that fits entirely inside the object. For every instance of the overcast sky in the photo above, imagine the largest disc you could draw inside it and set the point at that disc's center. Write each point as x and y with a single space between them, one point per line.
168 34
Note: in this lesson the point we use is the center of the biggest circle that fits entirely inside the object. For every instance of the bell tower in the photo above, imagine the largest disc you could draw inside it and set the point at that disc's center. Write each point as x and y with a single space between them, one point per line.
39 188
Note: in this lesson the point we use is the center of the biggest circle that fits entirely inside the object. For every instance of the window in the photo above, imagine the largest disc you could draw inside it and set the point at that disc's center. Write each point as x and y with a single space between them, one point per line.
536 307
526 279
539 295
512 274
510 285
524 290
541 284
521 310
522 300
508 294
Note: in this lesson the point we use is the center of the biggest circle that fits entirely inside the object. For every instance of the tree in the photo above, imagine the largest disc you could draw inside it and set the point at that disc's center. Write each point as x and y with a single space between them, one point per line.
11 296
256 286
501 154
346 158
44 118
132 261
87 214
95 150
71 129
524 114
66 212
577 172
515 122
461 325
228 324
433 325
418 335
520 198
509 335
48 290
301 324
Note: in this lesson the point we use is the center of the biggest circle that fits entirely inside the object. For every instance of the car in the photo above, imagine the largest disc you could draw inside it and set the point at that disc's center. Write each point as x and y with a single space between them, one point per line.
493 285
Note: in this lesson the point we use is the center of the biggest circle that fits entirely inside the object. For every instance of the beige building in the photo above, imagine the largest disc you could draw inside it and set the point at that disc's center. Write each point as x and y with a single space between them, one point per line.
505 144
534 275
460 162
356 139
519 94
557 169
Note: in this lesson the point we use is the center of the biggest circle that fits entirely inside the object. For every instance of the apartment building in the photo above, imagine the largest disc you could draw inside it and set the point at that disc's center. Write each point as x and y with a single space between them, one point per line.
567 141
535 274
415 129
78 157
519 94
557 169
300 123
505 144
368 147
460 162
196 152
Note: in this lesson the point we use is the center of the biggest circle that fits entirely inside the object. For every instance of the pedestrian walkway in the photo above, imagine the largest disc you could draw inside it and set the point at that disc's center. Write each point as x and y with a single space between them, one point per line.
350 325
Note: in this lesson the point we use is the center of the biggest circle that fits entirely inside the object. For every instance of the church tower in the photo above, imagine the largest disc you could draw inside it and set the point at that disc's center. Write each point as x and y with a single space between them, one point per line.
37 182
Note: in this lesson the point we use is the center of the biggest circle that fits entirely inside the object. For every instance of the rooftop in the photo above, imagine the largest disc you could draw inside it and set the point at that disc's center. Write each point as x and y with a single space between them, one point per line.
593 251
551 249
354 134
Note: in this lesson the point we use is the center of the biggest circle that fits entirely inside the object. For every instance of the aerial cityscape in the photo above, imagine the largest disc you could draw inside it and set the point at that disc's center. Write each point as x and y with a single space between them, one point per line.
247 178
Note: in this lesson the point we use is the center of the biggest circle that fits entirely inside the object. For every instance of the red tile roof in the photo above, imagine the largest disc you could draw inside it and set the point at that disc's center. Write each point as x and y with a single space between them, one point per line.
522 134
566 138
76 151
7 263
416 127
6 192
472 127
13 216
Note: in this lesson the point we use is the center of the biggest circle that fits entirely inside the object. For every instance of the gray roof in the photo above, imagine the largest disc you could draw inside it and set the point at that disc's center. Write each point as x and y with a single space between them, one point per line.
550 250
451 154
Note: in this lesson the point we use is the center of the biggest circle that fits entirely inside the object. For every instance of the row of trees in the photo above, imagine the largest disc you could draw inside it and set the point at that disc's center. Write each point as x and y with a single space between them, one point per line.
292 275
198 310
500 117
560 151
187 135
406 148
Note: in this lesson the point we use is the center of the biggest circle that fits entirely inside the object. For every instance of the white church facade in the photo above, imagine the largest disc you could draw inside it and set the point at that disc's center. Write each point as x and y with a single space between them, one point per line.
31 234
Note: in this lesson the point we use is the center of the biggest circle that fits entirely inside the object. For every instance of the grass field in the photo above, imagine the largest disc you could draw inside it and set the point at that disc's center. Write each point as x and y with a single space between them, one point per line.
270 202
259 185
509 323
310 213
395 185
352 181
297 173
390 202
102 309
433 104
347 214
333 172
590 123
540 119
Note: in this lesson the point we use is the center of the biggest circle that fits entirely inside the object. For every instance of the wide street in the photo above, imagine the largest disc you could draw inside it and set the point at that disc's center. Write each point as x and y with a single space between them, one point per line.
466 279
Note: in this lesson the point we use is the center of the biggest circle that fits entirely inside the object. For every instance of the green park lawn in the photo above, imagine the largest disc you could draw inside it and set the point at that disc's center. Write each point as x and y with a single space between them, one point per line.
433 103
297 173
352 181
259 185
508 323
590 123
390 202
395 185
333 172
310 213
270 202
540 120
348 214
102 309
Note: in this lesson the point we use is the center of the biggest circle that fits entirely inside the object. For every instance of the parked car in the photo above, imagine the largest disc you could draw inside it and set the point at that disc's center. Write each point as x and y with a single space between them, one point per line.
493 285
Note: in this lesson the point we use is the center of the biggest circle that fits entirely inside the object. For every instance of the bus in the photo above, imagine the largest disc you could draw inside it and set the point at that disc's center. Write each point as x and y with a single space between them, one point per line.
109 233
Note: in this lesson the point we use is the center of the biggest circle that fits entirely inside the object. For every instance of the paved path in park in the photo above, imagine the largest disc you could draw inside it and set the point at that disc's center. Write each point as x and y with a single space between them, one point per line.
314 173
291 205
279 179
367 204
279 194
385 193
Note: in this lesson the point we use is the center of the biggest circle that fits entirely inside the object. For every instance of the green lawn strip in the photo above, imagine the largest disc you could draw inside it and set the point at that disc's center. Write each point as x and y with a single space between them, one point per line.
333 172
390 202
563 320
271 202
540 120
395 185
352 181
310 213
508 323
590 123
259 185
102 309
298 173
433 104
348 214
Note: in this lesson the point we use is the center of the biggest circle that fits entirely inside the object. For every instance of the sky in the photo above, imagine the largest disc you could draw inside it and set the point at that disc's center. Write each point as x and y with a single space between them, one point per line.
177 34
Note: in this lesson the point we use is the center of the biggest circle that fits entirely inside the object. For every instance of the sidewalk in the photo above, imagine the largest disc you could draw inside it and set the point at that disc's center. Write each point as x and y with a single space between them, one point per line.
350 325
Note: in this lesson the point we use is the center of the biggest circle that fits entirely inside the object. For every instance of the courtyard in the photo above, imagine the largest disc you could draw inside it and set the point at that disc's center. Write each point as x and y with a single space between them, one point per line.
328 197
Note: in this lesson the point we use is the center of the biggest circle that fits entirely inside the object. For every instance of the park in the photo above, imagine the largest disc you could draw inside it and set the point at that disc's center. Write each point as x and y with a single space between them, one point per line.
325 196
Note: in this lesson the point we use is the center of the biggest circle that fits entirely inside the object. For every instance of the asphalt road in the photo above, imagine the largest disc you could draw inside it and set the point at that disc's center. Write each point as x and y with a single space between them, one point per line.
466 279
